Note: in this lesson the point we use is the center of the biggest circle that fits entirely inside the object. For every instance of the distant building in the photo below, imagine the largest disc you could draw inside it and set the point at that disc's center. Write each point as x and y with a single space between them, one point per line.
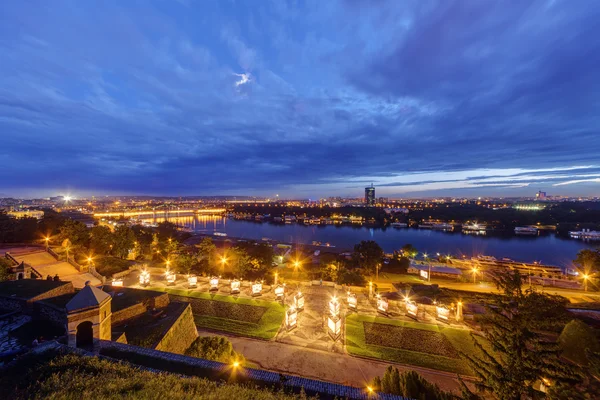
370 196
27 214
540 195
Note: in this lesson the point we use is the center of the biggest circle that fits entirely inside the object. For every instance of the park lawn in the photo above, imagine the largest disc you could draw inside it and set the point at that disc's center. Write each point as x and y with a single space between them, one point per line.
460 339
266 328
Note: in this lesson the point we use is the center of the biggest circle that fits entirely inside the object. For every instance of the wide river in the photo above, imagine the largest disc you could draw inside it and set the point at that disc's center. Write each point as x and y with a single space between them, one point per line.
546 248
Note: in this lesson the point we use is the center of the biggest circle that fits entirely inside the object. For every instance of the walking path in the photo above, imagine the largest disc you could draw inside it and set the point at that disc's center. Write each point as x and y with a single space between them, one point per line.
324 365
46 265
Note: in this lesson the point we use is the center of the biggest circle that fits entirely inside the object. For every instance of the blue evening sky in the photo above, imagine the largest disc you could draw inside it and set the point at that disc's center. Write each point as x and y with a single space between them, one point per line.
300 98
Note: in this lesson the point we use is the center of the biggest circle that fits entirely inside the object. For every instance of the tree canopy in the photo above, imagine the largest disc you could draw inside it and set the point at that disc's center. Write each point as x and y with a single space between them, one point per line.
519 356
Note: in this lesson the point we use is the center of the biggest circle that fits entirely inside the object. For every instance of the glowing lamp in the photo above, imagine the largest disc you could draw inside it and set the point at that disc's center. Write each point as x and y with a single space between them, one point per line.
214 283
279 292
352 301
442 312
412 308
171 278
291 318
382 305
334 326
299 301
144 278
256 288
334 307
235 286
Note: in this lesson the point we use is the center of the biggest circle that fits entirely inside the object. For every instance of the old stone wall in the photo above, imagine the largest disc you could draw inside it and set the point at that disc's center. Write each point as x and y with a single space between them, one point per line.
127 313
181 334
50 312
12 304
159 301
64 289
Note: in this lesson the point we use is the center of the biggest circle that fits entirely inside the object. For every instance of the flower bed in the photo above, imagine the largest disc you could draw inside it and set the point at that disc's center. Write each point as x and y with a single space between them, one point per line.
222 309
400 337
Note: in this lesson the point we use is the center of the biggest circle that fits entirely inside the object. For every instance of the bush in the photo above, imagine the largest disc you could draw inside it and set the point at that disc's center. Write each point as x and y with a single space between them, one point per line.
351 277
409 384
214 348
108 266
575 339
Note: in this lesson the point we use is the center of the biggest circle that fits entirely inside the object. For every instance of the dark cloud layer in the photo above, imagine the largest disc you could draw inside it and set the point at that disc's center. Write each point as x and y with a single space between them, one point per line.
300 98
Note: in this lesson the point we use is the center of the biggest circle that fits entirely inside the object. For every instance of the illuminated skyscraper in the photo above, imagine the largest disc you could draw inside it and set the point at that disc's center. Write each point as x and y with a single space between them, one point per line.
370 196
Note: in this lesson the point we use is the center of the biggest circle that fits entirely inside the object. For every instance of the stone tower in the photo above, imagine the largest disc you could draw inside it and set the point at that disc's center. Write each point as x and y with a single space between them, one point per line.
88 317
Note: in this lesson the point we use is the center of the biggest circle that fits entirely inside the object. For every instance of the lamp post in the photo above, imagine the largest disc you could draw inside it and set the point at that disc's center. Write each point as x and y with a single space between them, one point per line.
47 239
474 273
89 260
585 279
223 262
426 257
67 253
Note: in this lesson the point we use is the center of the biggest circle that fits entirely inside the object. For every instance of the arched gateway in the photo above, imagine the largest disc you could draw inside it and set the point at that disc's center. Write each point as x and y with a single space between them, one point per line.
89 317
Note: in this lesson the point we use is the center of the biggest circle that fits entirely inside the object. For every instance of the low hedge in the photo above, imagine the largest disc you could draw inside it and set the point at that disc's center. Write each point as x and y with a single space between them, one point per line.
409 339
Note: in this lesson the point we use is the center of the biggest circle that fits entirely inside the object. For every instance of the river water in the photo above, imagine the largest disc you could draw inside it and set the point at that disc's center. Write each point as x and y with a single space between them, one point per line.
546 248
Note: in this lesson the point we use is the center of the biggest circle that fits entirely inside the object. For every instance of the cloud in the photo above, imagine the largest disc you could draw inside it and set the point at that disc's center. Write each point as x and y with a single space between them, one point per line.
303 99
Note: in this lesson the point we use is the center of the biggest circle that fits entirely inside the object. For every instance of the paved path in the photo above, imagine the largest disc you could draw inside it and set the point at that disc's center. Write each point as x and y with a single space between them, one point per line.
324 365
46 265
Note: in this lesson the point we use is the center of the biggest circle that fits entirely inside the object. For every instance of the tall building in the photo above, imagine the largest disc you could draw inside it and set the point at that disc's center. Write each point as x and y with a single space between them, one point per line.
540 195
370 196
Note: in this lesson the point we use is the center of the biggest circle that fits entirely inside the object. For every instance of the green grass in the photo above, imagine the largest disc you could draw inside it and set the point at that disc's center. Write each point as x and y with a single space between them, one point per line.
266 328
459 338
54 375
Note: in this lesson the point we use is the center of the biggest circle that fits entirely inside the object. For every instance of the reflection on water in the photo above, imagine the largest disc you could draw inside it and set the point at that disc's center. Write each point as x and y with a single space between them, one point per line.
549 249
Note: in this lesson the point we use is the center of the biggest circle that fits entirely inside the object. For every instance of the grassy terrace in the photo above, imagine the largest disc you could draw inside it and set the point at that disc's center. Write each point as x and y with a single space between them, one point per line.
241 316
414 343
55 375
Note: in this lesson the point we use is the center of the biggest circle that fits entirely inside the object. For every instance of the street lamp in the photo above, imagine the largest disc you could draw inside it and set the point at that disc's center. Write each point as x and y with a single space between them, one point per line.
89 260
475 270
296 264
47 239
585 279
429 264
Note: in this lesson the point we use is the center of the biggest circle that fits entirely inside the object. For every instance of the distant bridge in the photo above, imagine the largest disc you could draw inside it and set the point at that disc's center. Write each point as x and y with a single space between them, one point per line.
159 213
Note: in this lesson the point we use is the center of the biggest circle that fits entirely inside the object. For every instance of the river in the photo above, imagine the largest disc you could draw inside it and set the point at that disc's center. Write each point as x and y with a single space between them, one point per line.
546 248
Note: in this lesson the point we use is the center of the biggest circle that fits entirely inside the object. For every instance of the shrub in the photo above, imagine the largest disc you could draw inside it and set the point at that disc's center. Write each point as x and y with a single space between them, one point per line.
575 339
351 277
409 384
214 348
108 266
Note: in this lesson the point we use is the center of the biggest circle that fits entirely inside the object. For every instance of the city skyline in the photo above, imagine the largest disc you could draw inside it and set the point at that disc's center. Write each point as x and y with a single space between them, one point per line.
308 99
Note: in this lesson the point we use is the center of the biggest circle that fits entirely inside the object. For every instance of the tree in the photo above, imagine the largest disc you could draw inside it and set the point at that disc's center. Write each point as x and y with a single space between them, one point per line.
588 260
368 254
101 239
576 340
166 230
123 241
519 357
5 266
207 251
410 385
185 262
214 348
409 251
76 231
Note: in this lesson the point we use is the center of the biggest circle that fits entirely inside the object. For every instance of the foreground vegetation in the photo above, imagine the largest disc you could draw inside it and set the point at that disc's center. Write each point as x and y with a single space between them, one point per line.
360 342
232 314
52 375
